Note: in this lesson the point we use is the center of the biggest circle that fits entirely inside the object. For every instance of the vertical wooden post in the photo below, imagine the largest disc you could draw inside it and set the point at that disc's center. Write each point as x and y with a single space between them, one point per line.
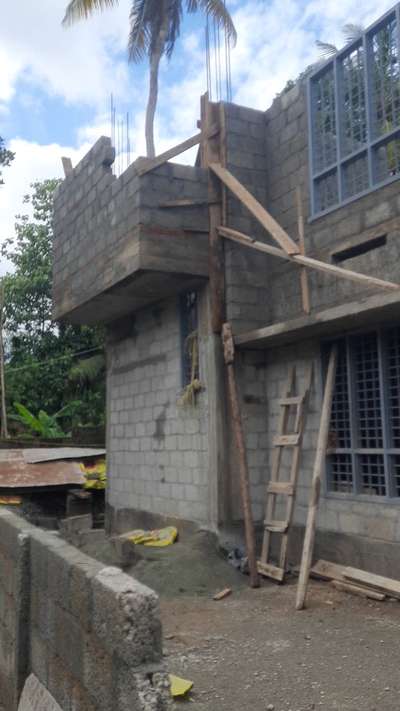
210 153
309 536
305 289
4 424
229 357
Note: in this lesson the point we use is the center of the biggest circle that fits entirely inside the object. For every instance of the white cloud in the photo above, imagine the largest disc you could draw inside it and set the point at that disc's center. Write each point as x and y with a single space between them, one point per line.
75 63
276 41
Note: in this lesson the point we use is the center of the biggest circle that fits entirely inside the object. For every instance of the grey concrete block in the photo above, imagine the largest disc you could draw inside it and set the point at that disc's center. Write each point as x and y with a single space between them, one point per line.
136 632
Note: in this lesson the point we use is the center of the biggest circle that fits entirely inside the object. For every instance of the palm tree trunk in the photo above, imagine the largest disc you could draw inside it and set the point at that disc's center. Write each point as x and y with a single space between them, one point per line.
155 59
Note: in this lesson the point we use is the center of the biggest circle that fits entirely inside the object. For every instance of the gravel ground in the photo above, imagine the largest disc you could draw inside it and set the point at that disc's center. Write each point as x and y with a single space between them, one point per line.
254 651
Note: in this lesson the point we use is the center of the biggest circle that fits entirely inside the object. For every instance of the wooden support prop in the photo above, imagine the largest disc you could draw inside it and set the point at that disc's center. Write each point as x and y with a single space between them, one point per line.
4 424
305 289
211 152
147 165
308 262
309 536
229 357
67 165
256 209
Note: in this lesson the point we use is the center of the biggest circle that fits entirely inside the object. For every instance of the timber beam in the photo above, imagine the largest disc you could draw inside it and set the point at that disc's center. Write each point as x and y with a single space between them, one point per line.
308 262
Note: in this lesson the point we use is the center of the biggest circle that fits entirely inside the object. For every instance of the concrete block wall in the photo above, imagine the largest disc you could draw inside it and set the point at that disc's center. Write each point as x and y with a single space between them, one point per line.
157 450
246 272
107 228
91 635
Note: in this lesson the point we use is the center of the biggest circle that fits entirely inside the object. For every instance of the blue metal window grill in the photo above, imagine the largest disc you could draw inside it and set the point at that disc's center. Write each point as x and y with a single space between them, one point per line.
354 117
364 438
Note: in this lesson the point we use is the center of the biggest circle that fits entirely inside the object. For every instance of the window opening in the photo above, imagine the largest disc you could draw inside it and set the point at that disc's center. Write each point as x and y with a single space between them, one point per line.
354 117
359 249
189 337
364 441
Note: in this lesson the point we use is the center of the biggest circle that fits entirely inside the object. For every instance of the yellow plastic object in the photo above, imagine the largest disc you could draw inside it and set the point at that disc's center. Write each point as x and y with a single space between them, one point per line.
10 500
179 687
95 475
158 538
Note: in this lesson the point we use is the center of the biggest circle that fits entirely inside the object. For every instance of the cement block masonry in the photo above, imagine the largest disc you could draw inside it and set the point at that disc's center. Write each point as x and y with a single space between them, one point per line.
91 635
157 449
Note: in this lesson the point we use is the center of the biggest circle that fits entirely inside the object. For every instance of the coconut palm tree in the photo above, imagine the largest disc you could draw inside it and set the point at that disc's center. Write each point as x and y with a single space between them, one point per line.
154 28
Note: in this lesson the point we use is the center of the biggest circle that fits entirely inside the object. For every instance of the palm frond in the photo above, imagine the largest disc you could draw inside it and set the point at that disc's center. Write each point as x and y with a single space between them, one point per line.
81 9
140 30
352 32
326 48
216 10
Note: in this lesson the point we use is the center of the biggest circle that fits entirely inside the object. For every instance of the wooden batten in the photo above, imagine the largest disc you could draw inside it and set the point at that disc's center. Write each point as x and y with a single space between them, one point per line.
256 209
211 152
308 262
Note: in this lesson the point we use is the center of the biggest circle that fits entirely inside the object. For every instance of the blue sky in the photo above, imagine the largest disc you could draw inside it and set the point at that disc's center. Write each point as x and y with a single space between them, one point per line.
55 84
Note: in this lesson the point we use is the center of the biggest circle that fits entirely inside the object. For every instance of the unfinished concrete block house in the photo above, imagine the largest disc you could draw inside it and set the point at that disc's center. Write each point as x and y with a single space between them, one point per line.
288 228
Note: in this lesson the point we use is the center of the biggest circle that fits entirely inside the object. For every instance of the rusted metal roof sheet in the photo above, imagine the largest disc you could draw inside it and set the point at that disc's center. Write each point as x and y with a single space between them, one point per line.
16 473
51 454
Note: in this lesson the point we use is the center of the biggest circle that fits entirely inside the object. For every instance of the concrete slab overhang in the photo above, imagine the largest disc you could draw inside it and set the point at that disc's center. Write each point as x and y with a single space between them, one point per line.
350 316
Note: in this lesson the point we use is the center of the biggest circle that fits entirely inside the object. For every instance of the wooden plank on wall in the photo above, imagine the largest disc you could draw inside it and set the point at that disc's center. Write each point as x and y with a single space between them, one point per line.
148 165
308 262
311 523
305 288
256 209
210 116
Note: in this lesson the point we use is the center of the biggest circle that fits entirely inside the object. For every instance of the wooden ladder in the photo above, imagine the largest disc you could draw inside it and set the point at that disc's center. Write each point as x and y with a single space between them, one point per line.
294 405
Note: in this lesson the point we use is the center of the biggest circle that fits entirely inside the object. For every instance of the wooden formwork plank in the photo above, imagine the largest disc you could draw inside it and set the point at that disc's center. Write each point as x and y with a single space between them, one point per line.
308 262
305 288
229 357
256 209
146 165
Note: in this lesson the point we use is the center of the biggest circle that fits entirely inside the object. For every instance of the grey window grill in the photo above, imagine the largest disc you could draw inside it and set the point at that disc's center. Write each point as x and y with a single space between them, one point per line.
354 117
364 439
188 308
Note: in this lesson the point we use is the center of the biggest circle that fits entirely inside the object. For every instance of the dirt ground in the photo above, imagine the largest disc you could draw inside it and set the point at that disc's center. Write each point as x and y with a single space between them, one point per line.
252 650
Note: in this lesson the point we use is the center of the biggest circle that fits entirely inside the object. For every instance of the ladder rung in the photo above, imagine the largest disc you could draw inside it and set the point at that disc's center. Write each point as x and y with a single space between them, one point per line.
280 487
276 526
294 400
271 571
287 440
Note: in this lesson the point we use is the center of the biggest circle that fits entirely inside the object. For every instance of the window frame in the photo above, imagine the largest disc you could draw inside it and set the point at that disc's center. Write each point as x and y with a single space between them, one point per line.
372 143
387 451
186 315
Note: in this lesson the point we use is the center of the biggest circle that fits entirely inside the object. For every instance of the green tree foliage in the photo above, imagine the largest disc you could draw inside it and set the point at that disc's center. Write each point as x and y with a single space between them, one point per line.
6 158
42 370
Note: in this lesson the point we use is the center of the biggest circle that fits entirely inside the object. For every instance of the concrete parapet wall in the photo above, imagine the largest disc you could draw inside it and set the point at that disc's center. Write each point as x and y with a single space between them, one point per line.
108 230
91 635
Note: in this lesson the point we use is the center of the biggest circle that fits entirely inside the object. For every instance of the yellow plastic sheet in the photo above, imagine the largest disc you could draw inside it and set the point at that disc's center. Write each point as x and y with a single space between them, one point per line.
179 687
158 538
10 500
95 475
